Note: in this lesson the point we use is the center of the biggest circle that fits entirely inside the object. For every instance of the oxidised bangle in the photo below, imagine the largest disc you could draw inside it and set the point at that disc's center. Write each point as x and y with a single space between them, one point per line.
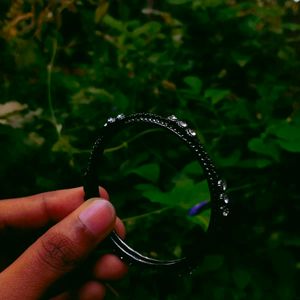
219 202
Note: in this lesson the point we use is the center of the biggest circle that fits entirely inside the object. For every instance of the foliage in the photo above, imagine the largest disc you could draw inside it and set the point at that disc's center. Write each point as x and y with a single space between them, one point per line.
228 67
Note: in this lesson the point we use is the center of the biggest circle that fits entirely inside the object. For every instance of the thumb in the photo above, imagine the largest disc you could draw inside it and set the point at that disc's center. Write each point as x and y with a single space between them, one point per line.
59 250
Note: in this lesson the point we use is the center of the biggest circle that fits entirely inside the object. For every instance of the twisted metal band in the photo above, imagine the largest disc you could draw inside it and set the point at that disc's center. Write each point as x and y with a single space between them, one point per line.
217 187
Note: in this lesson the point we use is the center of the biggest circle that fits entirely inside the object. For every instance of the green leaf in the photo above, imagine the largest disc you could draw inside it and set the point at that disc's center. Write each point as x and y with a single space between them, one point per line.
206 3
150 28
255 163
114 23
288 131
288 136
63 145
268 148
201 219
231 160
241 278
188 193
177 251
241 59
121 101
291 26
194 83
148 171
154 194
289 145
216 95
178 2
192 168
184 194
263 163
101 11
212 263
287 53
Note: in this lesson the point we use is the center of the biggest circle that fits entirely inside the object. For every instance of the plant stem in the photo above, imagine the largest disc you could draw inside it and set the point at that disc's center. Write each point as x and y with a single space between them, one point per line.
158 211
125 144
134 218
49 87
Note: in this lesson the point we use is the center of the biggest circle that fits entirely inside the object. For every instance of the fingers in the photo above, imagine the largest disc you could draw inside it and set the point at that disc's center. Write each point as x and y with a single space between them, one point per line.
92 290
39 210
58 251
120 228
110 267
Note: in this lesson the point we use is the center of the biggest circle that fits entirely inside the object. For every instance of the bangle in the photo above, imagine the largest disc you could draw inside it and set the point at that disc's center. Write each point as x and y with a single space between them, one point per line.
219 202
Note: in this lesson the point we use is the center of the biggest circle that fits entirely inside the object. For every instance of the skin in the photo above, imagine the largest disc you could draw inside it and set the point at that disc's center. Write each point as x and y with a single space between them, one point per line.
45 239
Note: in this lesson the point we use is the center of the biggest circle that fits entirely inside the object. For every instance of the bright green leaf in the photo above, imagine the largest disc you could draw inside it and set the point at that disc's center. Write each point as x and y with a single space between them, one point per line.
154 194
188 193
148 171
185 194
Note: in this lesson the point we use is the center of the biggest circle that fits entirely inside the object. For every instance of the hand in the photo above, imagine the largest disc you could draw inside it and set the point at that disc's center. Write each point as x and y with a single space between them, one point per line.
46 236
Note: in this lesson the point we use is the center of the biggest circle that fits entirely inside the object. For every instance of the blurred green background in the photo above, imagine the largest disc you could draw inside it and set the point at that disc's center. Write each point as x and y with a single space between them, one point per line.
229 68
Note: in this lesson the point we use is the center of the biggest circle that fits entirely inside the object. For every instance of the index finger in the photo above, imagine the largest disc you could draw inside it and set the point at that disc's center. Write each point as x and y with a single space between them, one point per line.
41 209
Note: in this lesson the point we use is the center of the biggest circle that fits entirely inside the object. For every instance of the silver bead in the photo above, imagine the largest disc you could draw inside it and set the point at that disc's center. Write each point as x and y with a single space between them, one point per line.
222 184
191 132
226 199
226 212
172 118
111 120
120 116
182 124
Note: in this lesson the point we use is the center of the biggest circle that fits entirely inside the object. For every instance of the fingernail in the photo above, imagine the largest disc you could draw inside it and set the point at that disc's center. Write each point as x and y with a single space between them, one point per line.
98 216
